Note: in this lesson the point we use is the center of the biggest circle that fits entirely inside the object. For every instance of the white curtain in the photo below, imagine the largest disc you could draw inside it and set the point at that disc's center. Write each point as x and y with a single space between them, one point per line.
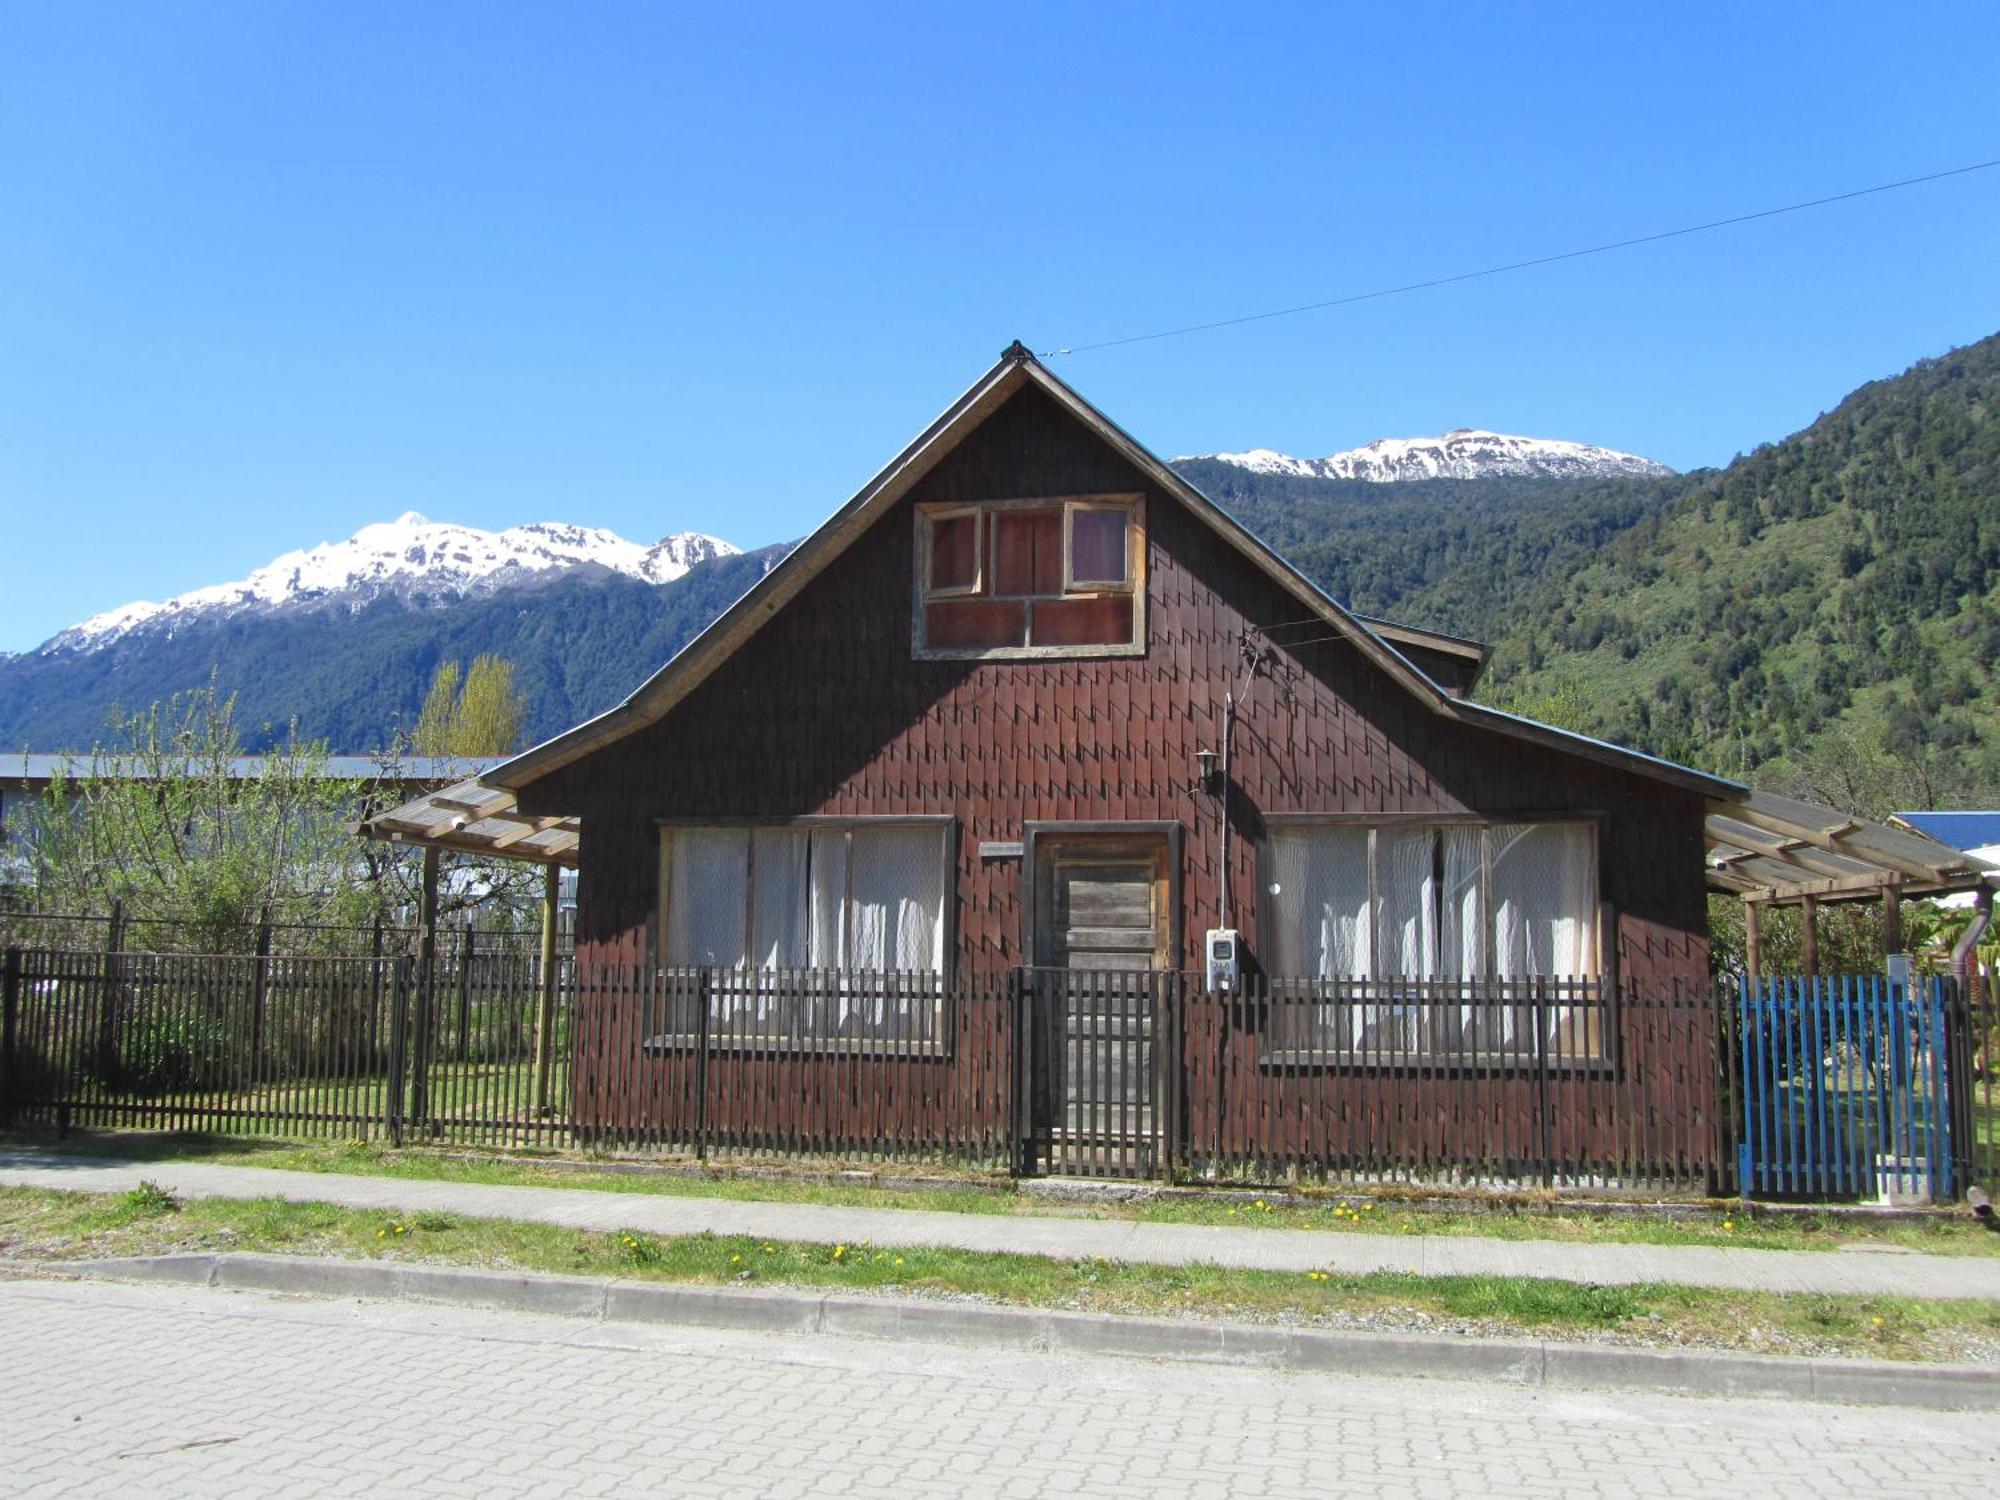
828 899
1544 900
1461 909
780 934
1406 887
1319 899
708 874
896 886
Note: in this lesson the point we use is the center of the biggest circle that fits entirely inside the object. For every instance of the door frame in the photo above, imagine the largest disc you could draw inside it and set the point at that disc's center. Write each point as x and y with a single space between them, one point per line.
1031 880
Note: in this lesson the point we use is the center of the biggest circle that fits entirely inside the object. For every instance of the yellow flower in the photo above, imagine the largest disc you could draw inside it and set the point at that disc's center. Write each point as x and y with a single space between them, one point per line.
770 1249
840 1252
380 1233
1232 1210
736 1260
899 1261
1876 1321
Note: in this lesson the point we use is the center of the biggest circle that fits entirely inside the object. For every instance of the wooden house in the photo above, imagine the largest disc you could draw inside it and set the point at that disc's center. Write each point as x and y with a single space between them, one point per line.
1031 699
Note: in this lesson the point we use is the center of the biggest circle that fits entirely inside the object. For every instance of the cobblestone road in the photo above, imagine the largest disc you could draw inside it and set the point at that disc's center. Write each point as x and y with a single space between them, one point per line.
139 1391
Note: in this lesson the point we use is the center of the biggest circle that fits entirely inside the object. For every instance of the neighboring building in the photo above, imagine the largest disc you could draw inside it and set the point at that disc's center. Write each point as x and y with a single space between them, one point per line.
26 779
964 726
1975 832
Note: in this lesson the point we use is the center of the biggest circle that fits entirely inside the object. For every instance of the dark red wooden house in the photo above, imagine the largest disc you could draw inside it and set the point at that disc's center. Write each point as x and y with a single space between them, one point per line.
1031 701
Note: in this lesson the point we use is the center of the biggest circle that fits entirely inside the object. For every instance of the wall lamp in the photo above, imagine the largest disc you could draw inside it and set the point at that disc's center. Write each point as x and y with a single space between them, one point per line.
1210 772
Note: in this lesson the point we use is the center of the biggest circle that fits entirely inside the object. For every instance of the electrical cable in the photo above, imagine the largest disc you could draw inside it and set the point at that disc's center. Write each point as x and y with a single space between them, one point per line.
1520 265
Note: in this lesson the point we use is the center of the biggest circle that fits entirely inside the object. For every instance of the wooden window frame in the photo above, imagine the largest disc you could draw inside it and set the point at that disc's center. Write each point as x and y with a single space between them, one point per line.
1091 587
1603 942
1134 587
926 555
659 1040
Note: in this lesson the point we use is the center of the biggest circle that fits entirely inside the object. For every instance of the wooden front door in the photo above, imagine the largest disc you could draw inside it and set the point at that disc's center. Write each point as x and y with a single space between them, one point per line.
1103 934
1103 909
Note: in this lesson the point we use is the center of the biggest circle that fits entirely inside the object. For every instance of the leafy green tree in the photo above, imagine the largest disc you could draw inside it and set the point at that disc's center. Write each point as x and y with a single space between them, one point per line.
478 715
164 824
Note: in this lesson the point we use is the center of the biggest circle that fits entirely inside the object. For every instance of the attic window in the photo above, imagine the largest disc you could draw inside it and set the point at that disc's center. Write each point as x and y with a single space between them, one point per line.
1021 578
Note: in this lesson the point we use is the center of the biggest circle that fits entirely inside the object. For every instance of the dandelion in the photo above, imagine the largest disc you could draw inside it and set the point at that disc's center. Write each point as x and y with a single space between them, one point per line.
380 1233
1232 1210
1729 1226
899 1261
770 1249
1876 1321
736 1260
840 1252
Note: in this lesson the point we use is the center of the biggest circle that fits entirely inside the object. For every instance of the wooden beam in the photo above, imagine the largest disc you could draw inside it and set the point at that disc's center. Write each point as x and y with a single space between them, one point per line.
1892 921
1753 940
1829 840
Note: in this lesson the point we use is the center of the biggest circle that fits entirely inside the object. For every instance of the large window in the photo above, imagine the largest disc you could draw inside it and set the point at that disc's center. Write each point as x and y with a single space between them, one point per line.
1031 577
855 896
1456 938
809 937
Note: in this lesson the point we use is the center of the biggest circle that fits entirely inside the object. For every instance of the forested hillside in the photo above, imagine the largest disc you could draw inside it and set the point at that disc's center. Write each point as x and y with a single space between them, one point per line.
1822 608
578 645
1455 554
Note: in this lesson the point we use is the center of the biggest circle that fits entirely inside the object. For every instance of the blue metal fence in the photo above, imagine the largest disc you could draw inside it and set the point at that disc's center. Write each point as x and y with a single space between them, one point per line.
1846 1087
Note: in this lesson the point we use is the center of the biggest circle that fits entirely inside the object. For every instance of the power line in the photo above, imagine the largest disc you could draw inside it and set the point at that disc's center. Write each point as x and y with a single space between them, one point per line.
1521 265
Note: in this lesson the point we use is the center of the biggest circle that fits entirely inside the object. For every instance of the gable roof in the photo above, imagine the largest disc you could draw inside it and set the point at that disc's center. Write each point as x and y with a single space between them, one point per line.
1016 370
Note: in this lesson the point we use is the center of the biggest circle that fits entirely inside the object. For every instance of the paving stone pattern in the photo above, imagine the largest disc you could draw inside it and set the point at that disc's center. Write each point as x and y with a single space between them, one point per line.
1858 1273
137 1391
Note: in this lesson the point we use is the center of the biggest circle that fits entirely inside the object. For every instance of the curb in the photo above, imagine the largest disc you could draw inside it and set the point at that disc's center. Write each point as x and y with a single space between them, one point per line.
1525 1362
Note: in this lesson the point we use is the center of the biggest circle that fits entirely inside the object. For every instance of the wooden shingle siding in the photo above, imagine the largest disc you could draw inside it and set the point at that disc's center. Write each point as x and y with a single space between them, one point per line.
824 711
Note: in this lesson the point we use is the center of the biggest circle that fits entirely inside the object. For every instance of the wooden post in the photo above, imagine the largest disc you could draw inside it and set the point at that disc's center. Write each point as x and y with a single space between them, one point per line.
545 1014
1892 920
426 977
1753 940
1809 935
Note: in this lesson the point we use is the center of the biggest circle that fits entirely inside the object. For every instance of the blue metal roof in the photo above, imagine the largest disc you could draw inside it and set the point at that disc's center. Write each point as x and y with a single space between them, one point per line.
1962 830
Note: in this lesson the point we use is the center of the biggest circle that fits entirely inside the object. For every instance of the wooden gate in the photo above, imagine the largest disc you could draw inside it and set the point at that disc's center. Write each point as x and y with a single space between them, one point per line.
1103 1056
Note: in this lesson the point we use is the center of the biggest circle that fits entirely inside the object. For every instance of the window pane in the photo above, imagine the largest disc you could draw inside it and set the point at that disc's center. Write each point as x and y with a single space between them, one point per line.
975 624
1097 546
1463 923
898 881
1104 621
1320 904
779 935
954 552
829 898
1027 552
708 871
1544 900
1406 886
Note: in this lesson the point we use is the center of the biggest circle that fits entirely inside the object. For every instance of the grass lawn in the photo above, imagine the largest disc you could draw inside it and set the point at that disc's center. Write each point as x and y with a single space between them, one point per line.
60 1226
1351 1211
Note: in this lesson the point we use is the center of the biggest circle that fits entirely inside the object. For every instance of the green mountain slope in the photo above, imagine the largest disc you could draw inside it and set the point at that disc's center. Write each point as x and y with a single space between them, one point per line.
1455 554
1826 598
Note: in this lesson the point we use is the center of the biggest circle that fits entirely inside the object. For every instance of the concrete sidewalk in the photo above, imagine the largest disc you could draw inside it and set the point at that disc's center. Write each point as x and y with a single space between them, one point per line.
1856 1272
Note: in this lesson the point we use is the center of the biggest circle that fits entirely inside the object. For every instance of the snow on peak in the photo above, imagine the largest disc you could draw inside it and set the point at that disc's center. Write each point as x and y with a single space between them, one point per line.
1462 453
411 557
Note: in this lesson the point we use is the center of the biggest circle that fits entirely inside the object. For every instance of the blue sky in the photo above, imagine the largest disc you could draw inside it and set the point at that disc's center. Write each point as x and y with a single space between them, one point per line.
269 272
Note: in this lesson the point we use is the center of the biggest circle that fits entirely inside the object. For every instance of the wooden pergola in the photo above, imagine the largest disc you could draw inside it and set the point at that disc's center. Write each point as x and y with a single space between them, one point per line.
469 817
1769 850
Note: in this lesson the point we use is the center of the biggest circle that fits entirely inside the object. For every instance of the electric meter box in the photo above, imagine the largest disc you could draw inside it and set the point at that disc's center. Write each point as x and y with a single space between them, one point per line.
1225 958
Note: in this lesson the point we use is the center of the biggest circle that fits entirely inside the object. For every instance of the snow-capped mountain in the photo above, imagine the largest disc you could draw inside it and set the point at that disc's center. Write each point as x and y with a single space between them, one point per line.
1465 453
418 560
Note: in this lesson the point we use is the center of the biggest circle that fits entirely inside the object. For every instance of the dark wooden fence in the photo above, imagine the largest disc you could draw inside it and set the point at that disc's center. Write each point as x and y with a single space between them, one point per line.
1576 1085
